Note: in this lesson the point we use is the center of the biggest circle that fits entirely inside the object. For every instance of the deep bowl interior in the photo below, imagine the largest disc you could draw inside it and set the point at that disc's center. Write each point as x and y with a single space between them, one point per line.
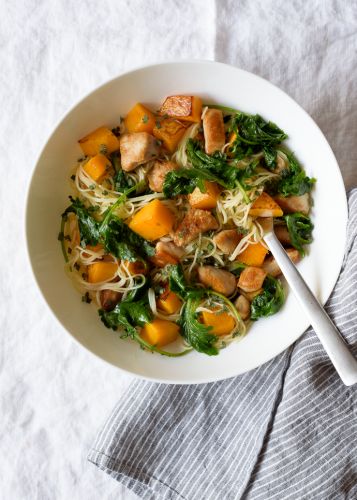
215 83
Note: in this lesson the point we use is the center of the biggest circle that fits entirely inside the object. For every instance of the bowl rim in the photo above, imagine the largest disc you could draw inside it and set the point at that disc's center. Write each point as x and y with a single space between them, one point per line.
69 110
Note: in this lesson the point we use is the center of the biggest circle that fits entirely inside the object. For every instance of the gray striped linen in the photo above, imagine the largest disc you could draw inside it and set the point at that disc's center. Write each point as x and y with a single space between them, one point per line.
286 430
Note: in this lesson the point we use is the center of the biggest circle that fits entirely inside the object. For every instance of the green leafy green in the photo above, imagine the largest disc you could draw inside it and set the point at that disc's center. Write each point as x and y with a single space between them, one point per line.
178 284
253 133
197 334
300 230
270 156
117 238
294 181
121 179
269 301
88 226
121 241
130 314
213 168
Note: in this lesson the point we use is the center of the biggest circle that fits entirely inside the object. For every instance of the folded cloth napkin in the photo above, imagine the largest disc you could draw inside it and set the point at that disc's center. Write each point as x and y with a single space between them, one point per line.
287 430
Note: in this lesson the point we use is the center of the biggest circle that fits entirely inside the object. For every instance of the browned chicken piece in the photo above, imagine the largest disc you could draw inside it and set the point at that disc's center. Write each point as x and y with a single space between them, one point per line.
251 279
242 305
227 240
213 129
292 204
157 174
271 267
166 253
109 299
282 234
219 280
137 148
196 221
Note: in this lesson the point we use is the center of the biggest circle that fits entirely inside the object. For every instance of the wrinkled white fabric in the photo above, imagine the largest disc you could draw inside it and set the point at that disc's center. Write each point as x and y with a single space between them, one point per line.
54 396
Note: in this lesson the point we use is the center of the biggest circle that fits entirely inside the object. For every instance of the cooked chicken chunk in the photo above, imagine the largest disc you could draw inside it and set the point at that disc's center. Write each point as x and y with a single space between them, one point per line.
227 240
219 280
242 305
282 234
251 279
167 253
271 267
213 129
196 221
137 148
109 299
292 204
157 174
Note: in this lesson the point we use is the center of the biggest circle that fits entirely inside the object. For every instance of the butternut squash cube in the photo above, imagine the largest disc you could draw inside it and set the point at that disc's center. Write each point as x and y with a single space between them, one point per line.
97 167
101 271
182 107
169 302
206 200
253 255
101 140
222 323
170 132
139 119
153 221
265 206
160 332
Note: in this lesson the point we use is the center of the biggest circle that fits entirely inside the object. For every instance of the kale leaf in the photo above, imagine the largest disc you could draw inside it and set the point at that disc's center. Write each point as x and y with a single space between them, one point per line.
88 226
300 230
269 301
197 334
121 179
121 241
294 181
213 168
117 238
252 133
270 156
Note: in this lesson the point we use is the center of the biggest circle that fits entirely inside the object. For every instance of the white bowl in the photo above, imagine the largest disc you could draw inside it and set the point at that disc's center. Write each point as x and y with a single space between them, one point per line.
216 83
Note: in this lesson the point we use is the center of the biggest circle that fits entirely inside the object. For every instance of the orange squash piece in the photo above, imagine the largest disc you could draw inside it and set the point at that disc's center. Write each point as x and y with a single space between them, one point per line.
265 206
139 119
169 302
160 332
206 200
137 267
101 140
182 107
101 271
170 132
153 221
222 324
97 167
253 255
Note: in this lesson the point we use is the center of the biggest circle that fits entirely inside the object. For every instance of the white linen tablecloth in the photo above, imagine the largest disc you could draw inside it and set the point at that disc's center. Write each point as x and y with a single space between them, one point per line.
53 395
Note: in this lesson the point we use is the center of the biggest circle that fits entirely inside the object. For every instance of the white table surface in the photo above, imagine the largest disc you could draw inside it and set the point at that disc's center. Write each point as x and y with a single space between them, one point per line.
54 396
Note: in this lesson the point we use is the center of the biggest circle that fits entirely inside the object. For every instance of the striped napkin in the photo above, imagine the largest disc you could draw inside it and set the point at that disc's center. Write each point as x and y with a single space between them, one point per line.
287 430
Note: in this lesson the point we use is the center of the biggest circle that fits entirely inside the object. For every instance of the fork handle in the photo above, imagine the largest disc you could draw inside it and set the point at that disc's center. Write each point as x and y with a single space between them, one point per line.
331 339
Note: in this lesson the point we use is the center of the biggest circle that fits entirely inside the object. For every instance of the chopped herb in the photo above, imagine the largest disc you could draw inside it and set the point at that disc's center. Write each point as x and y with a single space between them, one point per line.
158 142
116 131
69 250
91 186
158 124
145 119
86 298
77 266
105 192
73 177
67 237
60 236
103 149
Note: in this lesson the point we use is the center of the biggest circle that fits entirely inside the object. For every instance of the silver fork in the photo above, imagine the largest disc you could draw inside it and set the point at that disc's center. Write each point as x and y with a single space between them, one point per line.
329 336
